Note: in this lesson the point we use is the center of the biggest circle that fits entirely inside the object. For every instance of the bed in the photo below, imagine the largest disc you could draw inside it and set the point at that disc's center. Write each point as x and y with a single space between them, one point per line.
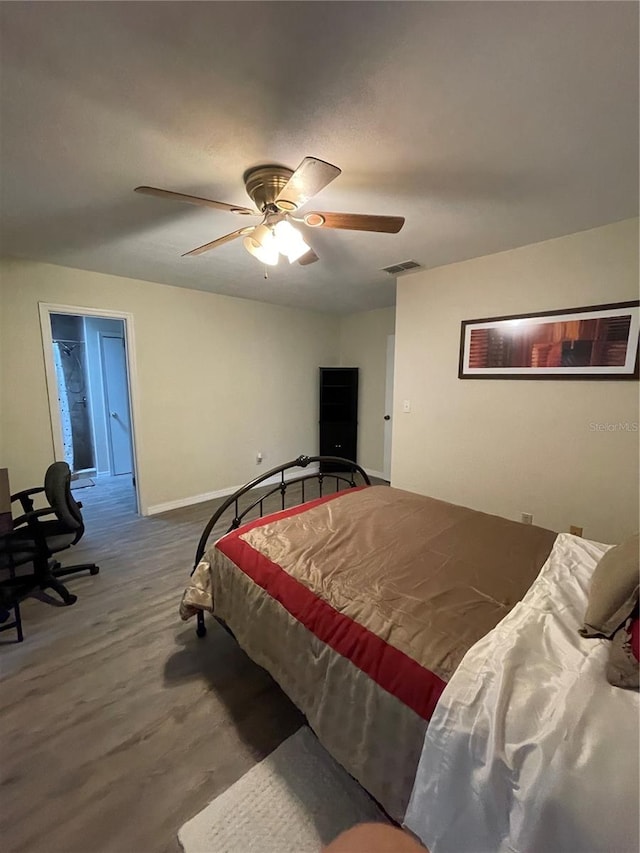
361 604
530 748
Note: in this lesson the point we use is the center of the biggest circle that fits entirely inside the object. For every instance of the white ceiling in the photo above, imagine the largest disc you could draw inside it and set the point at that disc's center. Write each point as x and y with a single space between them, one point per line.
487 125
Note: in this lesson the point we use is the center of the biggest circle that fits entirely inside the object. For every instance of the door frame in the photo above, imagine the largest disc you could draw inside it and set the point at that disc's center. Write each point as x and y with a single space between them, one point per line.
46 309
388 406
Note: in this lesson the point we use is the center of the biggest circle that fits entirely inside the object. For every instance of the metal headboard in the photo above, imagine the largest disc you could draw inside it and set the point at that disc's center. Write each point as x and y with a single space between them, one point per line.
347 473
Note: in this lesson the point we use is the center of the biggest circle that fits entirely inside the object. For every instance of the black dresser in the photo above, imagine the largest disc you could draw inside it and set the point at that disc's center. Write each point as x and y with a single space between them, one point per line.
338 414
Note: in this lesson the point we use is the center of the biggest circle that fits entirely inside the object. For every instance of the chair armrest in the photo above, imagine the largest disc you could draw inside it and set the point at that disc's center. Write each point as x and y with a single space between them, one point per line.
25 497
33 528
26 493
32 515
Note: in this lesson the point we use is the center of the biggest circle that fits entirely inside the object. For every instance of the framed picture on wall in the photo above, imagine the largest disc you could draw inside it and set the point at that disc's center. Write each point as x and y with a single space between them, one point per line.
595 342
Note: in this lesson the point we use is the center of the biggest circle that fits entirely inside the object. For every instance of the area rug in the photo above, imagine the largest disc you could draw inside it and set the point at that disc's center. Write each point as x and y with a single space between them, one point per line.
81 484
295 801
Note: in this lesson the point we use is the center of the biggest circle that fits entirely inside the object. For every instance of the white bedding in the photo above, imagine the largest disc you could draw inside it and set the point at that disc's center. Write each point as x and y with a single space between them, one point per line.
530 749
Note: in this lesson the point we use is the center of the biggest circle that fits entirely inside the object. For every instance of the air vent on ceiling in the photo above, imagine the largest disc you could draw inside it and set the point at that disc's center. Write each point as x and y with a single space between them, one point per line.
403 267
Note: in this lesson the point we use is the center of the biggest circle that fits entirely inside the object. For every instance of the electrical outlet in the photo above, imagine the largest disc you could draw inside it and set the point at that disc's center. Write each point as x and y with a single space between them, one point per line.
406 405
577 531
526 518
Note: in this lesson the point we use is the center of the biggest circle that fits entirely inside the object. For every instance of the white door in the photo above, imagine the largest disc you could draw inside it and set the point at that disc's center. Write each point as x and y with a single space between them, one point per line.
388 406
116 390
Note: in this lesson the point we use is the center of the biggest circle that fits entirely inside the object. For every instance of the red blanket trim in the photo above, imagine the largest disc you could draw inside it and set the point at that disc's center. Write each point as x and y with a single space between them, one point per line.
390 668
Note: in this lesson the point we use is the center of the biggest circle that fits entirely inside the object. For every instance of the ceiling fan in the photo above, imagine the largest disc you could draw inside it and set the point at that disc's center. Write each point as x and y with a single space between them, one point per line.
277 193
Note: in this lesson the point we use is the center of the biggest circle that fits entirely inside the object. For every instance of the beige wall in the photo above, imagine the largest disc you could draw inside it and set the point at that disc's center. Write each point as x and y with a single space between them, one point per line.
363 344
219 378
508 446
2 379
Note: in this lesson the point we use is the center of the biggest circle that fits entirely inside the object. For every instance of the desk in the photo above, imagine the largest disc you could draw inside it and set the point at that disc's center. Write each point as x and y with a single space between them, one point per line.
5 502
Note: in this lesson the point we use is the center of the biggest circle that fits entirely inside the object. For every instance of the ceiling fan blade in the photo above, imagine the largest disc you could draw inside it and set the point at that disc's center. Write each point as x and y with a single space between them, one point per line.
309 257
194 199
241 232
355 222
311 176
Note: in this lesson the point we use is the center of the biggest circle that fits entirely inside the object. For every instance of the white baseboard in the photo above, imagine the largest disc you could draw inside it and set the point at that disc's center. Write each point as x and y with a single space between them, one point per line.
379 474
156 509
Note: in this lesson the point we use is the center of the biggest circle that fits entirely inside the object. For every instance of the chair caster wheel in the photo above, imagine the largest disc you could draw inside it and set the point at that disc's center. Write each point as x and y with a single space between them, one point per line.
201 631
94 570
71 599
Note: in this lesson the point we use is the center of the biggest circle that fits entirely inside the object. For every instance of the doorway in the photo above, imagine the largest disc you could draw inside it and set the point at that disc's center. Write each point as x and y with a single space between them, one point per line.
88 365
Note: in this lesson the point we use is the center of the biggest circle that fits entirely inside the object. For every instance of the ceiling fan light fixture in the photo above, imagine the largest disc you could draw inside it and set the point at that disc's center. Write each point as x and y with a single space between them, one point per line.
262 245
290 241
277 193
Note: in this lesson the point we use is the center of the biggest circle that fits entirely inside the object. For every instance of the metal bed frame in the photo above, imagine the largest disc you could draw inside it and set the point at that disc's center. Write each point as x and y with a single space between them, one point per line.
346 474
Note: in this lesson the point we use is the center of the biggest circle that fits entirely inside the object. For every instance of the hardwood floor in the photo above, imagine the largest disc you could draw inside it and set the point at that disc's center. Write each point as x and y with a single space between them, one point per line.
116 723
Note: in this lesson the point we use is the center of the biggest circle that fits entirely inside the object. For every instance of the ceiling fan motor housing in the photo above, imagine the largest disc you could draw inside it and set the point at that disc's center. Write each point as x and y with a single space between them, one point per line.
265 183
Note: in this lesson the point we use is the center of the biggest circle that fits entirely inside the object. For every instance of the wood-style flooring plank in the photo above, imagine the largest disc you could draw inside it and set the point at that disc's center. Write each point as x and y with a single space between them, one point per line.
116 723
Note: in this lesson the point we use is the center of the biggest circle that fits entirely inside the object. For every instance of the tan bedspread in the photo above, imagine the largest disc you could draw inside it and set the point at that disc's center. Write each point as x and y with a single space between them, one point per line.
362 607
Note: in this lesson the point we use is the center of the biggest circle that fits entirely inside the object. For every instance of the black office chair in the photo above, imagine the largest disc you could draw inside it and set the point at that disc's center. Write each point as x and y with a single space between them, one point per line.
14 554
52 536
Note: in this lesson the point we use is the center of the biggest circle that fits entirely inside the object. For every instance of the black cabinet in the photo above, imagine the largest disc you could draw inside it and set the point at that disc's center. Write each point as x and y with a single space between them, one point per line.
338 413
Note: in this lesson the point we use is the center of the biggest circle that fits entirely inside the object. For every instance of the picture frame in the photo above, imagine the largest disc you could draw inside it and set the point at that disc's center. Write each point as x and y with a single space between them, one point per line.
592 342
